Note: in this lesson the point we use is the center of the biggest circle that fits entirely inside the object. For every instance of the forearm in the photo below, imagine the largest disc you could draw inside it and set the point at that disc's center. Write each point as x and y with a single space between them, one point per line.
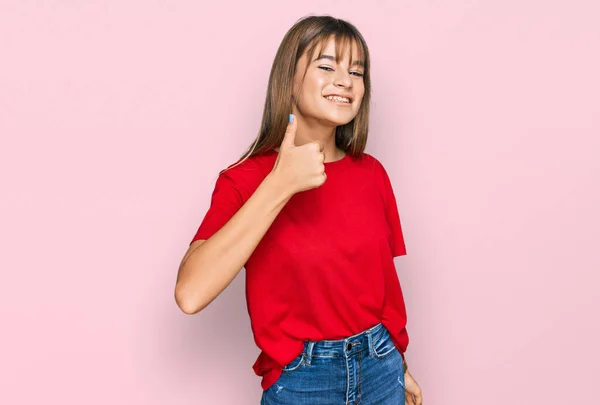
211 267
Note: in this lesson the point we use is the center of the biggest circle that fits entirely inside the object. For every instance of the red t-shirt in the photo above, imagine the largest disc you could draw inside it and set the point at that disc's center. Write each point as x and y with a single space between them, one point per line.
324 269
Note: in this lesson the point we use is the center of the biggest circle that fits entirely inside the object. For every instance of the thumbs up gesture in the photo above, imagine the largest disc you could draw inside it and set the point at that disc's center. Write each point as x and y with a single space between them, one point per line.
300 167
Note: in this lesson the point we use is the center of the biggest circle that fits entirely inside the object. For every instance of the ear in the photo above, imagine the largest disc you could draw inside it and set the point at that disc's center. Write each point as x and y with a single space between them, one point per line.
297 83
294 101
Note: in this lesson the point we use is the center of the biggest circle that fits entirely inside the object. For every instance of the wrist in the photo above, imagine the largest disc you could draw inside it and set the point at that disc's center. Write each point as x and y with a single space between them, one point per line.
280 187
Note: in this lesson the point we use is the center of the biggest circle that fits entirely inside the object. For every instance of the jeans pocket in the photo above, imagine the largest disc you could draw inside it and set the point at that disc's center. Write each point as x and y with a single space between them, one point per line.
384 346
294 364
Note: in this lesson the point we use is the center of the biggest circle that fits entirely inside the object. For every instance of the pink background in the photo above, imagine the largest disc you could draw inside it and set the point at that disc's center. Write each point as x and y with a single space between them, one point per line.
115 118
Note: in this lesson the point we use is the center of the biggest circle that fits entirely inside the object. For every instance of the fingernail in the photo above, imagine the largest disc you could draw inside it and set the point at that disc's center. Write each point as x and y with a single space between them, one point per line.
291 118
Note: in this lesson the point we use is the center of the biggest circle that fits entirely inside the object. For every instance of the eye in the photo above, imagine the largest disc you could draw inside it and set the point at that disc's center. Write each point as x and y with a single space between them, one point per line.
328 69
325 68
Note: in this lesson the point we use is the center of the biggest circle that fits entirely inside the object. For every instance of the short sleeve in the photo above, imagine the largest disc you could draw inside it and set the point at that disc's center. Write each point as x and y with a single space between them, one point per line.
393 217
226 200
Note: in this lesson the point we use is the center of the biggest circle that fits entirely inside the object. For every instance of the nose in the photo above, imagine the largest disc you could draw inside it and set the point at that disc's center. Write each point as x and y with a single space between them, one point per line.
342 78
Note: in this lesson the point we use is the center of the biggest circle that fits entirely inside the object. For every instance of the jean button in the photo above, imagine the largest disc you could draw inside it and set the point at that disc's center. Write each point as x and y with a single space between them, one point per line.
349 346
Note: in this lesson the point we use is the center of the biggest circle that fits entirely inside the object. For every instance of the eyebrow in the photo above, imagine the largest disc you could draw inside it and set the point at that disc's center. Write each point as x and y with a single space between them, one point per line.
333 58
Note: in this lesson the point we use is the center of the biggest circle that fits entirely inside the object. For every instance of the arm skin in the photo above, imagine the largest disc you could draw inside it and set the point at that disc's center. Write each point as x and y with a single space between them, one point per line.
210 265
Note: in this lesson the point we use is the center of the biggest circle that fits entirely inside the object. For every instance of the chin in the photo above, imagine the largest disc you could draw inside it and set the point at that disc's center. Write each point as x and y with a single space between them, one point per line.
332 121
330 118
341 120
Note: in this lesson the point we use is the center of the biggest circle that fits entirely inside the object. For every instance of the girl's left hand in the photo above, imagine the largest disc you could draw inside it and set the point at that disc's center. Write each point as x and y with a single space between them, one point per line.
414 396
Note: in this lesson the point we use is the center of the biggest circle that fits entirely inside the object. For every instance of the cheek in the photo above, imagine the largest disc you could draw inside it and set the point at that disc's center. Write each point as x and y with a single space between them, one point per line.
314 83
315 90
359 88
312 91
359 96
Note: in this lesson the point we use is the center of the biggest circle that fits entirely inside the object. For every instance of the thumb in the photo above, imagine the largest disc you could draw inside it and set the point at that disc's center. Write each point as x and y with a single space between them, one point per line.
290 133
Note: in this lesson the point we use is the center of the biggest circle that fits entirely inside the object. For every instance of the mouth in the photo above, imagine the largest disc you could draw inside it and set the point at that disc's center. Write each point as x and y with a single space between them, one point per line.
338 100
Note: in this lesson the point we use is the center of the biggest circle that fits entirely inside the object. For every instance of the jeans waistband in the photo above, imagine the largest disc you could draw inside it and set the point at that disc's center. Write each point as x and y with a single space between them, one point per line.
345 347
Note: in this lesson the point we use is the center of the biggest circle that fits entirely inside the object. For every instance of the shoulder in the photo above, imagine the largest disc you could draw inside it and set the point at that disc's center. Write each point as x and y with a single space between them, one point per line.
379 174
251 166
373 163
246 174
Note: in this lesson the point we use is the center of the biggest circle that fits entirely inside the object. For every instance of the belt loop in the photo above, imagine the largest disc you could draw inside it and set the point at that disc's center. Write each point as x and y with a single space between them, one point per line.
309 350
370 340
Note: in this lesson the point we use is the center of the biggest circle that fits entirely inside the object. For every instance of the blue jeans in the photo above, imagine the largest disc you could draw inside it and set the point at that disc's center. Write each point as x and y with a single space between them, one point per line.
364 369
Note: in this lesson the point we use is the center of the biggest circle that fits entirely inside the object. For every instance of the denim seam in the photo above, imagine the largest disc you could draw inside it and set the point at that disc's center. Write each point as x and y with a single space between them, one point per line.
359 387
309 352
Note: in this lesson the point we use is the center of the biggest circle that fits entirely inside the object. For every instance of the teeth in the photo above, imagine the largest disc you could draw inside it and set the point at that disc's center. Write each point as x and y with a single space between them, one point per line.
336 98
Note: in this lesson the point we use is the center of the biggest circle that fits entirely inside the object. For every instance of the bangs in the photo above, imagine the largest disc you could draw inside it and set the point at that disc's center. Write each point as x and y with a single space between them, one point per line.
344 42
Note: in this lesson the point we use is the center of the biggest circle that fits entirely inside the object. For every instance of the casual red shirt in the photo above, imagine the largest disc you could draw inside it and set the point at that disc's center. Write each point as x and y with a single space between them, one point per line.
324 269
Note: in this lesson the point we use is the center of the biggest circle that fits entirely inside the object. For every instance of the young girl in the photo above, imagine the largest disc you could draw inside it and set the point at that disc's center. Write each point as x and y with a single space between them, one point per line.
314 221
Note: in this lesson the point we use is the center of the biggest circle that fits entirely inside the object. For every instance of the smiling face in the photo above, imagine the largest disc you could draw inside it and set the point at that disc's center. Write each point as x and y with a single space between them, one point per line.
332 90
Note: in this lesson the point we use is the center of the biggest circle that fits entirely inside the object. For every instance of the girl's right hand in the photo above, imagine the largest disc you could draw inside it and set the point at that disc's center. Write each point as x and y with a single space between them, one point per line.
300 167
